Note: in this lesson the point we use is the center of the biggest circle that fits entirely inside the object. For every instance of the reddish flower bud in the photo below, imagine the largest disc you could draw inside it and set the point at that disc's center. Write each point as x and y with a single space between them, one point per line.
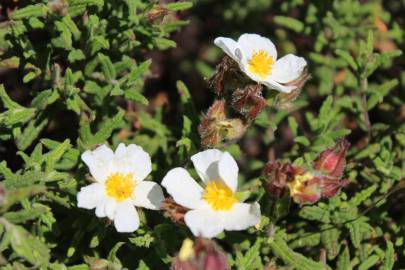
249 101
332 161
173 210
212 257
203 255
226 72
277 176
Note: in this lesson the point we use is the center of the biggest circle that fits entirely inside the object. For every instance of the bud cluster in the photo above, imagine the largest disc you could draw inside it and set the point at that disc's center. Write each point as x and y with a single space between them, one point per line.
241 97
309 186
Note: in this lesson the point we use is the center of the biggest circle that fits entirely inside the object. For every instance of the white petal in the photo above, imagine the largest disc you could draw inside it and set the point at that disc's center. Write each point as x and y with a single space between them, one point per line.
288 68
89 196
206 164
228 171
99 162
250 43
126 218
132 159
241 216
148 194
228 45
110 208
100 208
183 188
270 83
204 222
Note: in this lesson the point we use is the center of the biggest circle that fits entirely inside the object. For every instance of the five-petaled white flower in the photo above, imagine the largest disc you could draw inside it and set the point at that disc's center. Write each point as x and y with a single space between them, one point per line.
214 208
256 57
119 185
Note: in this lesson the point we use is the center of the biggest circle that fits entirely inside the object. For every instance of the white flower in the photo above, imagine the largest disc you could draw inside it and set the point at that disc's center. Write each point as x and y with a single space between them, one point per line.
257 55
119 185
214 208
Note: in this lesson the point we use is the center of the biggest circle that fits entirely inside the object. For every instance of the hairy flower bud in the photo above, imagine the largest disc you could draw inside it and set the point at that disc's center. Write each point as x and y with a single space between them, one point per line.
330 165
277 176
204 254
333 160
286 99
249 100
157 12
226 72
215 127
173 210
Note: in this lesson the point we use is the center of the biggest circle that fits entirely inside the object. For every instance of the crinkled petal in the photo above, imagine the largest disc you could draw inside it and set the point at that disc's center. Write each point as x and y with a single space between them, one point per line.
228 45
206 164
288 68
89 196
228 171
270 83
183 188
99 162
126 218
204 222
250 43
241 216
132 159
148 194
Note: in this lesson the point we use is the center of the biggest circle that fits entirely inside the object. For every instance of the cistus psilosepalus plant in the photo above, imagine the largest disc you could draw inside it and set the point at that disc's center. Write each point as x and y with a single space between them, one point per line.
282 147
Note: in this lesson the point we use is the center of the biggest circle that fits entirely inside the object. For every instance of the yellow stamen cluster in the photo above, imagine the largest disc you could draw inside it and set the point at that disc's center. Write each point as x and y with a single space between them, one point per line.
219 196
298 184
120 186
261 63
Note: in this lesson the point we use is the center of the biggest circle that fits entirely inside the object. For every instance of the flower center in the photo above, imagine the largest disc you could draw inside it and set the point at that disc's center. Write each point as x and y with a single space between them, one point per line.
120 186
219 196
261 63
298 184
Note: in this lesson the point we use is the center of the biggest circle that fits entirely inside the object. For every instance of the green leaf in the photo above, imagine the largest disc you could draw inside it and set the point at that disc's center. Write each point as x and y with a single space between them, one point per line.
343 262
389 257
38 10
107 66
179 6
348 58
315 213
369 262
289 23
330 240
293 259
27 246
251 260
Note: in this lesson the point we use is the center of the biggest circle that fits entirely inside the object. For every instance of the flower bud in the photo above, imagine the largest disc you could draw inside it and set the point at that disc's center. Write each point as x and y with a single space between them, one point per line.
173 210
286 99
332 161
277 176
215 127
249 101
227 73
203 255
157 12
